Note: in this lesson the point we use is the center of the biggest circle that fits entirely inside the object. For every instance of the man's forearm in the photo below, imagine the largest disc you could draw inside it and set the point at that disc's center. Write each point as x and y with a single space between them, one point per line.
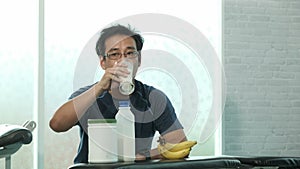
68 114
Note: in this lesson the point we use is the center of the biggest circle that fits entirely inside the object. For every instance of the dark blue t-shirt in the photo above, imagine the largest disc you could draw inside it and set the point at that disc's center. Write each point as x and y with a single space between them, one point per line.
152 109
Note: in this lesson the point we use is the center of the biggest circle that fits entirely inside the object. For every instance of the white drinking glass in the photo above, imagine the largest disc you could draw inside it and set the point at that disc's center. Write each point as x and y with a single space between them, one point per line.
126 85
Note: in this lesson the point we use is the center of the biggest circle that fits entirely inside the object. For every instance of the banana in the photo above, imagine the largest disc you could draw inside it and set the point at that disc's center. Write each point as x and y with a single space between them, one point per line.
173 155
175 151
179 146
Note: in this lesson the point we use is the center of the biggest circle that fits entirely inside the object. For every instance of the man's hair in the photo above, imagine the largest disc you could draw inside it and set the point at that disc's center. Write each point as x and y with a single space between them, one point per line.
117 30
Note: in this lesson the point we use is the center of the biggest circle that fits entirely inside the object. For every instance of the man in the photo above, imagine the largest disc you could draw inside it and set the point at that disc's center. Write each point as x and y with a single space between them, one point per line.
152 109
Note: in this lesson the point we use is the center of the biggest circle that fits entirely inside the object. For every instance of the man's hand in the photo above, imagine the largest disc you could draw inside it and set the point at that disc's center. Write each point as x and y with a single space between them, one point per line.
113 74
139 157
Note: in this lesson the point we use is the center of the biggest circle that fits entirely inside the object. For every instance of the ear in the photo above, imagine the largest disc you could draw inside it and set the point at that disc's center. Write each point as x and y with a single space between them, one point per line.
102 62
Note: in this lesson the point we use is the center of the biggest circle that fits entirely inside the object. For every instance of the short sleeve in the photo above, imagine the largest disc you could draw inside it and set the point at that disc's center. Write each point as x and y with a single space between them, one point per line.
165 119
79 91
83 120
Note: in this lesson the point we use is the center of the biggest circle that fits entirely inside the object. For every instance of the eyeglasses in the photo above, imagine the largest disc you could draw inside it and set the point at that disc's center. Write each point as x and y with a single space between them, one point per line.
118 55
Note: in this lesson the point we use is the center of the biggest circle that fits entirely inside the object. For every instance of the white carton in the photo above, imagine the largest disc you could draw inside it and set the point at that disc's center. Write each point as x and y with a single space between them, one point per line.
102 141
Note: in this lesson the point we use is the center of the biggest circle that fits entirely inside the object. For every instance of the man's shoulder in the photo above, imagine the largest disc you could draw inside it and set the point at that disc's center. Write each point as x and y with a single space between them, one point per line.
147 88
142 87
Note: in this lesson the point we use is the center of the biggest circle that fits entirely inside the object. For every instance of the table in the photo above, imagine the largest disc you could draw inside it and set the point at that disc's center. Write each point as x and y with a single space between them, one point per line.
188 163
196 162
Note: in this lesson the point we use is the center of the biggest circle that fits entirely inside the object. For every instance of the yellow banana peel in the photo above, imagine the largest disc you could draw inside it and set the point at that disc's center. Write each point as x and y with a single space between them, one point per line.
175 151
173 155
179 146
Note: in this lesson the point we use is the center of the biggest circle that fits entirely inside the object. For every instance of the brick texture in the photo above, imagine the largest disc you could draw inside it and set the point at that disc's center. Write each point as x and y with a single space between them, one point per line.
262 67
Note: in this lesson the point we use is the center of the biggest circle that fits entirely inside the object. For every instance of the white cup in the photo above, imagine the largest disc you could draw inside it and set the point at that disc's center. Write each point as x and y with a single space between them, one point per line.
126 85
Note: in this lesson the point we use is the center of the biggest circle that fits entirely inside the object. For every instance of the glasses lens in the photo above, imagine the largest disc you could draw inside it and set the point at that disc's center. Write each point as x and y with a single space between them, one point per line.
131 54
114 56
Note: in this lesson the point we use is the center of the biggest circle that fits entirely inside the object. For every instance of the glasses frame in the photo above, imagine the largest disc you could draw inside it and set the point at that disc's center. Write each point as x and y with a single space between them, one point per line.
136 54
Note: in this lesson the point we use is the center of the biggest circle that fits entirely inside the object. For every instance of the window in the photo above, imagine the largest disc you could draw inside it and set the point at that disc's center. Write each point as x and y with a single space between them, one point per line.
180 40
19 46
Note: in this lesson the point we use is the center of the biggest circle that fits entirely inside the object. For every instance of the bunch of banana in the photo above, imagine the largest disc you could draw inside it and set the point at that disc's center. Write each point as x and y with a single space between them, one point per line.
175 151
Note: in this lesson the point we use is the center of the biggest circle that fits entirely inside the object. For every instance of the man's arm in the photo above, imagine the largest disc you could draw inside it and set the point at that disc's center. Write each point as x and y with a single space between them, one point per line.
68 114
166 121
173 137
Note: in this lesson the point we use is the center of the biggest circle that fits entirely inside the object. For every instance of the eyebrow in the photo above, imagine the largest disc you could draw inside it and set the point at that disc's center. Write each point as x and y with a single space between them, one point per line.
115 49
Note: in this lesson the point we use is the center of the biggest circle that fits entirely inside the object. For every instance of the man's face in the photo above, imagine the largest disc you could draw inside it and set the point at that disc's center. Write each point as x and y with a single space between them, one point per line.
119 44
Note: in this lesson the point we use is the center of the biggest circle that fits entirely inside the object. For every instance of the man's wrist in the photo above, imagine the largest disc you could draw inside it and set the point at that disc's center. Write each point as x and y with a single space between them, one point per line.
99 89
146 154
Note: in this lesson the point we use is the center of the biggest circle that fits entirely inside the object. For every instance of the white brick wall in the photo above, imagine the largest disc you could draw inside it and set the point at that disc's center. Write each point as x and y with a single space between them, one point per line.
262 67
